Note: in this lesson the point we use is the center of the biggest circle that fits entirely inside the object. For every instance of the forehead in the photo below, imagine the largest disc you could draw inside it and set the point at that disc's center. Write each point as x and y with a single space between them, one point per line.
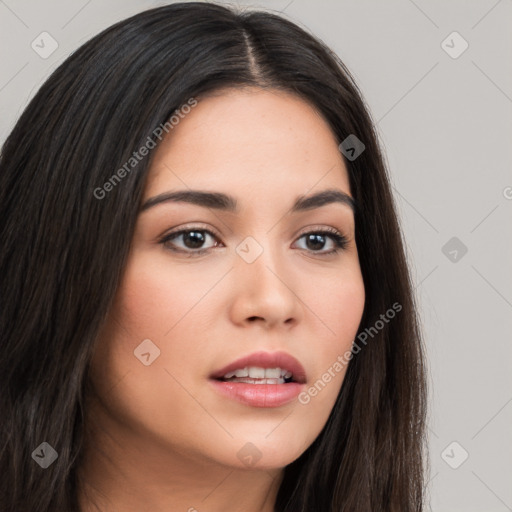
249 142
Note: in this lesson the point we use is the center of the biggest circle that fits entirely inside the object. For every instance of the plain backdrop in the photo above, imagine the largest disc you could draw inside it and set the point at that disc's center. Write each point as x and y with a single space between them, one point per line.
438 81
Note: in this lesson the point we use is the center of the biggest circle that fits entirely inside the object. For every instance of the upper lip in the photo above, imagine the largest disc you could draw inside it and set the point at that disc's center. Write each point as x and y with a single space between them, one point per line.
281 360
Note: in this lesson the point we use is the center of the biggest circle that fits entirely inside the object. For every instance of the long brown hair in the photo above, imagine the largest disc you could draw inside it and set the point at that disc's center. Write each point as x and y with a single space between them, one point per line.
64 250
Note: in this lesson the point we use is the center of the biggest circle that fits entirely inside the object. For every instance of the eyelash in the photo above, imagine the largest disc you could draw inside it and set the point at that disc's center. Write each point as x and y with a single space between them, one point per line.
340 241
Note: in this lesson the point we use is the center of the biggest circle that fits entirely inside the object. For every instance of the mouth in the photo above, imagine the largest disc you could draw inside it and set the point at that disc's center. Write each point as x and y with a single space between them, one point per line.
259 375
261 379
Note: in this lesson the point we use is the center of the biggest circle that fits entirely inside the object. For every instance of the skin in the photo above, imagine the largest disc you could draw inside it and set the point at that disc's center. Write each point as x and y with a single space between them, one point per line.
160 437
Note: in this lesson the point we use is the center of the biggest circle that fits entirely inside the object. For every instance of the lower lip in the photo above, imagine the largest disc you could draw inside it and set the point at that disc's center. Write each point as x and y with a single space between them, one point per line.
259 395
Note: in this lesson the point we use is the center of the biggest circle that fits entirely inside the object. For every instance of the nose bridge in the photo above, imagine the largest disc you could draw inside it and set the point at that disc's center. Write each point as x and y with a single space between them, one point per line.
262 279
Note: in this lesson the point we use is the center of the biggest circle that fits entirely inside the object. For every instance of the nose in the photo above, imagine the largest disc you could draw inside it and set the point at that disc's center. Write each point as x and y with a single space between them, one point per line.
264 292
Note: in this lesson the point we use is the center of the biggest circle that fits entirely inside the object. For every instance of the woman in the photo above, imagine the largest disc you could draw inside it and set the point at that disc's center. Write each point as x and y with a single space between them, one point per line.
205 299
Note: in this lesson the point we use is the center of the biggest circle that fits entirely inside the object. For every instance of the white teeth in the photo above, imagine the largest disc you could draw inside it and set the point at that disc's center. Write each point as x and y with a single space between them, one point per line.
258 381
243 372
256 372
272 373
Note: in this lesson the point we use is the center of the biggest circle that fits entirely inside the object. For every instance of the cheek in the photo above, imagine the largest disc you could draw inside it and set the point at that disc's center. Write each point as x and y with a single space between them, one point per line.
156 301
149 303
339 305
346 310
156 297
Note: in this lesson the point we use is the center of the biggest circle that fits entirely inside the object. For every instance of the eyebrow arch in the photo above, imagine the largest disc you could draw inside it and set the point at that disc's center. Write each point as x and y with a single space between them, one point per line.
224 202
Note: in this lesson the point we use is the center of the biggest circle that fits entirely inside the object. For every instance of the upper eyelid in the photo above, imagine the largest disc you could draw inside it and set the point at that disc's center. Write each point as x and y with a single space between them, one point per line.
180 230
302 232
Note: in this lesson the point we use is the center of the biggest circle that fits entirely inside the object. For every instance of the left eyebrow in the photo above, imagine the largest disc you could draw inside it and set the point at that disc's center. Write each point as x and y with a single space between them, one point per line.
323 198
224 202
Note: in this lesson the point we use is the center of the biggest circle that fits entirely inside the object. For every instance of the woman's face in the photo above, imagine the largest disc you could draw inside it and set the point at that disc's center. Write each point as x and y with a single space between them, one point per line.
262 284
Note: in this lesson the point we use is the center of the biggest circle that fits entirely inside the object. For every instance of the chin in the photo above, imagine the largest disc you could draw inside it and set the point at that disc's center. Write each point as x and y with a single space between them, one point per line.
258 452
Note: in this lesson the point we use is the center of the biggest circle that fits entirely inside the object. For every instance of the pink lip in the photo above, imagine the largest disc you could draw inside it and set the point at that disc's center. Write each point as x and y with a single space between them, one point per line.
259 395
262 395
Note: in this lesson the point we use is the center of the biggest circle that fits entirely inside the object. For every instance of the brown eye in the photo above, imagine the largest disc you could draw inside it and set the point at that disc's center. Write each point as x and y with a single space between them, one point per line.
315 241
191 240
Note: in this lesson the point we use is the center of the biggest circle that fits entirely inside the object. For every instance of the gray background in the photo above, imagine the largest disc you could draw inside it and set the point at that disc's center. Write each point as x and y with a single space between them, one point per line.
446 127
